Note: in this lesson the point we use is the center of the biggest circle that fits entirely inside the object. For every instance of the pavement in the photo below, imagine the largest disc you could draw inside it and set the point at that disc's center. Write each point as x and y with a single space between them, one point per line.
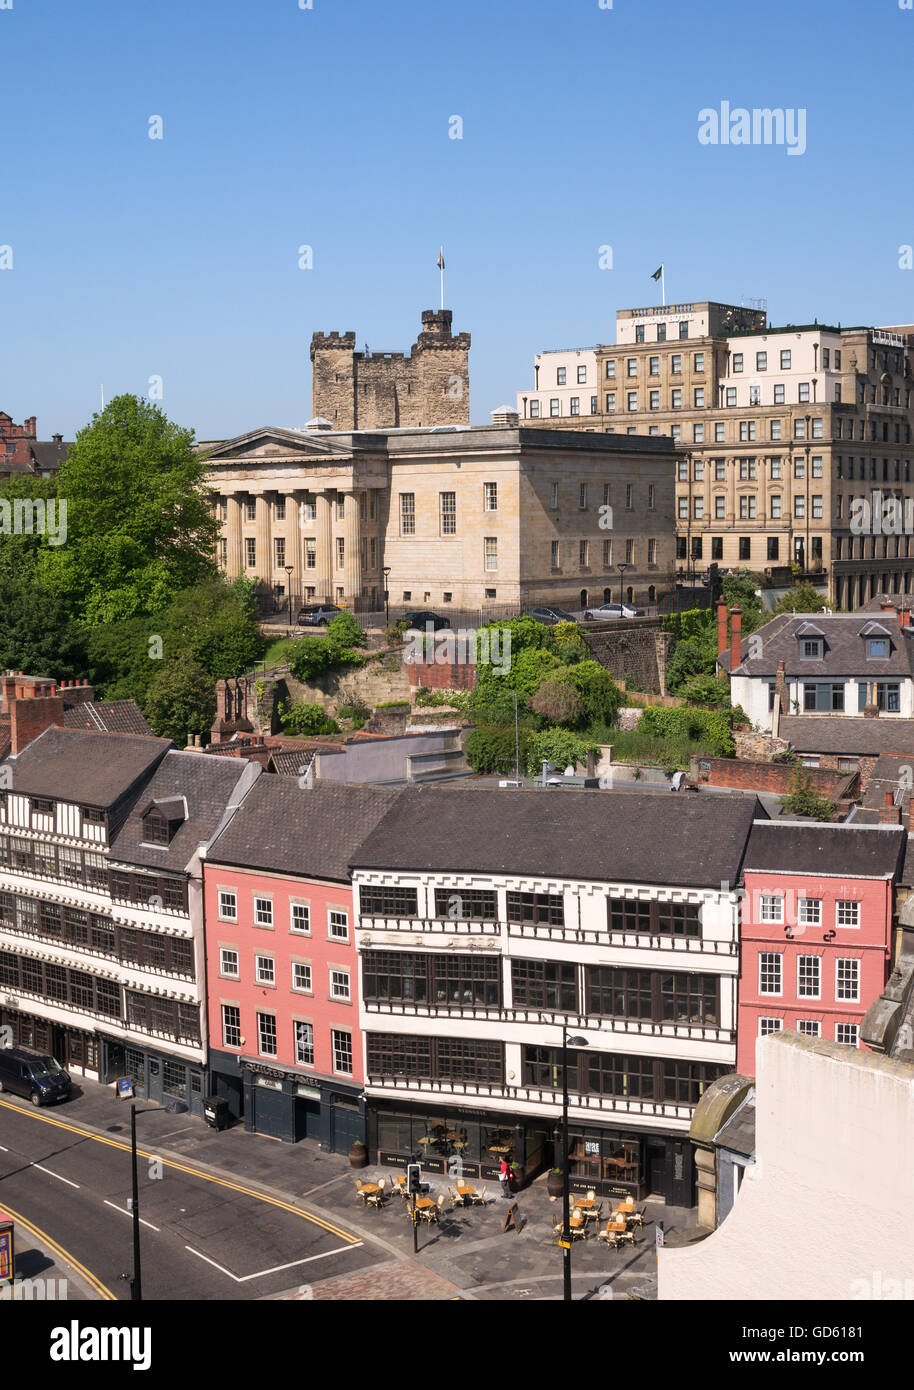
467 1256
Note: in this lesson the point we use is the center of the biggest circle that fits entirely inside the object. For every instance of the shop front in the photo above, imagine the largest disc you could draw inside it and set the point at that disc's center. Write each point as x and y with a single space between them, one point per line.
156 1076
75 1049
471 1143
458 1142
291 1107
618 1163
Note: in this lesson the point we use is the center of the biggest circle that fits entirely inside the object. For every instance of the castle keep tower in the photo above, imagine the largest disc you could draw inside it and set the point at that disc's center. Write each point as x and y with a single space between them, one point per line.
377 390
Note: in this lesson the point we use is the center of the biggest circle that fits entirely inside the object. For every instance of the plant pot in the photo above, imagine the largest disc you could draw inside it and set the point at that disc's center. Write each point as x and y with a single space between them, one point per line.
554 1184
358 1156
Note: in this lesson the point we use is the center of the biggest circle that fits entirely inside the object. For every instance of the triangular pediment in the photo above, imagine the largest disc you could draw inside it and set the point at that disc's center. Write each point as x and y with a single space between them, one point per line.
271 442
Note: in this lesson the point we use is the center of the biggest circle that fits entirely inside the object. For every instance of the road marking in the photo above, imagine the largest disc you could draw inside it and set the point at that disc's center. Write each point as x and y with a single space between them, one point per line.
191 1172
54 1175
125 1212
277 1269
101 1289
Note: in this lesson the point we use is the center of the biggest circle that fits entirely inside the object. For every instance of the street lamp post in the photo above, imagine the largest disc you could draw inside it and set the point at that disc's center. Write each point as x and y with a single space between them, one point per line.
136 1283
288 569
386 572
621 568
566 1205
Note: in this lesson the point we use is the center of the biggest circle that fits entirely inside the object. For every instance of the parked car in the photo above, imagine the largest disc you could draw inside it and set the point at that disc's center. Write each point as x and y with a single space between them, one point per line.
420 620
35 1075
317 614
548 614
616 610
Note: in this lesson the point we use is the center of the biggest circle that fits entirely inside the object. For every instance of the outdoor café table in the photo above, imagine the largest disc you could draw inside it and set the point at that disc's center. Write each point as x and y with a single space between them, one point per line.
423 1202
369 1187
466 1189
625 1208
584 1202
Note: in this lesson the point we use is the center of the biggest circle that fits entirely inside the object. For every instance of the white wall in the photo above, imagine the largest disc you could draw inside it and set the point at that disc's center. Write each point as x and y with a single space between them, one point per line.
827 1210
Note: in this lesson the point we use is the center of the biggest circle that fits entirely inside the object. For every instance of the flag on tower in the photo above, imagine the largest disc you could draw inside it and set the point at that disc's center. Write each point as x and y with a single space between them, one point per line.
657 273
441 259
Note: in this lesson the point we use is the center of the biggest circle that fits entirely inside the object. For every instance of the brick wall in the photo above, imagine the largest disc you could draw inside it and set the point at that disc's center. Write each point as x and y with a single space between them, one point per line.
435 676
770 777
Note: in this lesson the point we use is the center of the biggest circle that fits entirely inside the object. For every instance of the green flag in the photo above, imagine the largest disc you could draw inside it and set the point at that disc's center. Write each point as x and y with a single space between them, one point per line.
657 273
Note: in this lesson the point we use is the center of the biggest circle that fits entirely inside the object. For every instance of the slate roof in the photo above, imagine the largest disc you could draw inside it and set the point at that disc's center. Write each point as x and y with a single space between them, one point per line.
108 716
845 647
891 774
562 833
207 785
738 1134
312 832
845 850
94 769
846 734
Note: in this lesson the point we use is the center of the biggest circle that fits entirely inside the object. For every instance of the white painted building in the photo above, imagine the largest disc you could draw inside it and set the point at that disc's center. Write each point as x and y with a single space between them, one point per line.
467 977
564 386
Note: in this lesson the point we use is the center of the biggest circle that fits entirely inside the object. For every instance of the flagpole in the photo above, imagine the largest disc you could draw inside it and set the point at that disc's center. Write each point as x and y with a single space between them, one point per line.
442 276
662 287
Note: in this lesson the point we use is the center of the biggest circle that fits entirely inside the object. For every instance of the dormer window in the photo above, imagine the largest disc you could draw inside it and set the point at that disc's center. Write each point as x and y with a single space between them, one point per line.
162 818
877 648
811 648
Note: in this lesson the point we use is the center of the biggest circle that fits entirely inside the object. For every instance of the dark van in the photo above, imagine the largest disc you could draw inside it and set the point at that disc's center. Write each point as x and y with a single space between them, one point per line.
34 1075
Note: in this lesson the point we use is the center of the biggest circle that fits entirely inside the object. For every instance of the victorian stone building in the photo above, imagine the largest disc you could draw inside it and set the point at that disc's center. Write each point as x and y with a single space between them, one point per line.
372 390
786 432
493 517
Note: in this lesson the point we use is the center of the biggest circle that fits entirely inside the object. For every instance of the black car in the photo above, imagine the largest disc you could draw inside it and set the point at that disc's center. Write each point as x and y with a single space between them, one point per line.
420 620
35 1075
317 614
548 614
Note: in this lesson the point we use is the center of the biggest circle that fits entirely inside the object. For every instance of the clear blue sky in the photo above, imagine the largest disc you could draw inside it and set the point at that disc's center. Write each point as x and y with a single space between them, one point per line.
329 127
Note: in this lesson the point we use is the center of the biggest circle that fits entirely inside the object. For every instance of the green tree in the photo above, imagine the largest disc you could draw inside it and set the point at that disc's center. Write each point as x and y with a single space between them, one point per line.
739 588
558 746
215 622
181 700
140 527
802 598
344 631
557 701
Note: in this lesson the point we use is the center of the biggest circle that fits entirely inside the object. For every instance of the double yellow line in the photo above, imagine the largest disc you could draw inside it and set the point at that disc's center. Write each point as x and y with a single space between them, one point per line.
191 1172
63 1255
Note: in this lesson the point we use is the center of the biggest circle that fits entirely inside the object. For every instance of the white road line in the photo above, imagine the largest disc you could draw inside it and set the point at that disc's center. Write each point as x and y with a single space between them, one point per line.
125 1212
277 1269
54 1175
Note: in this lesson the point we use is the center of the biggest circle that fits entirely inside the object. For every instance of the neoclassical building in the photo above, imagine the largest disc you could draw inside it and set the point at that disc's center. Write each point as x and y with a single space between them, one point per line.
494 516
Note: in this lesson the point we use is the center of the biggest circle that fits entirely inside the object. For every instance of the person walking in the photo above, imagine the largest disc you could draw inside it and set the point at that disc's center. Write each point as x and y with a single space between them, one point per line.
504 1177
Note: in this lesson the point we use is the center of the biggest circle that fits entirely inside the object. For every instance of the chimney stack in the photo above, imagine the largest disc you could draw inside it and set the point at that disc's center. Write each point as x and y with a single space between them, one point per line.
721 628
890 814
736 637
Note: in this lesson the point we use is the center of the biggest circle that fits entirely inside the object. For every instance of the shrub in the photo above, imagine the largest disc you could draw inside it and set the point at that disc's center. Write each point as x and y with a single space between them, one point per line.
804 800
310 658
344 631
559 746
491 748
686 723
306 720
709 691
558 702
600 696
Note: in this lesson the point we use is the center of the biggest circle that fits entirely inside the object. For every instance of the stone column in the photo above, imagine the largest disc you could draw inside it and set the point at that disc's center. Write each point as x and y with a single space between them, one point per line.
323 573
234 560
264 565
352 553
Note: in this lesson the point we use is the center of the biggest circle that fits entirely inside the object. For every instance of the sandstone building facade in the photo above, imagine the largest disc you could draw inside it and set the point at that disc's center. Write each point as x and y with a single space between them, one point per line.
377 390
784 432
496 517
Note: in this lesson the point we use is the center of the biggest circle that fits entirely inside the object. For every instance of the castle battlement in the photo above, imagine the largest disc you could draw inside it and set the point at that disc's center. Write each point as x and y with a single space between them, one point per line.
430 385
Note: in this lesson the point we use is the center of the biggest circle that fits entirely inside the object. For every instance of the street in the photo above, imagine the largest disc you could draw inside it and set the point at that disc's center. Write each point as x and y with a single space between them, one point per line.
203 1236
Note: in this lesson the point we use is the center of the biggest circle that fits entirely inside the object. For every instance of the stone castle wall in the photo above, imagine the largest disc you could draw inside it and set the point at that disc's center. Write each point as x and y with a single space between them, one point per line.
430 386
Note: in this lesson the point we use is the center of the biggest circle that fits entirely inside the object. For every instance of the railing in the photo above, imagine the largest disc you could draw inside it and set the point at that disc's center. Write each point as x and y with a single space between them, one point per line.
604 1023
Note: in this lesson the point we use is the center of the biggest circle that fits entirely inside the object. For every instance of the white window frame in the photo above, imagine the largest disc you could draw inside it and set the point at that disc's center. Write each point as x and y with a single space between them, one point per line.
847 998
802 987
237 1010
809 1027
302 965
226 915
771 993
764 912
845 903
302 1023
777 1025
225 972
341 1032
259 900
855 1029
301 907
264 976
340 984
333 935
809 912
262 1014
